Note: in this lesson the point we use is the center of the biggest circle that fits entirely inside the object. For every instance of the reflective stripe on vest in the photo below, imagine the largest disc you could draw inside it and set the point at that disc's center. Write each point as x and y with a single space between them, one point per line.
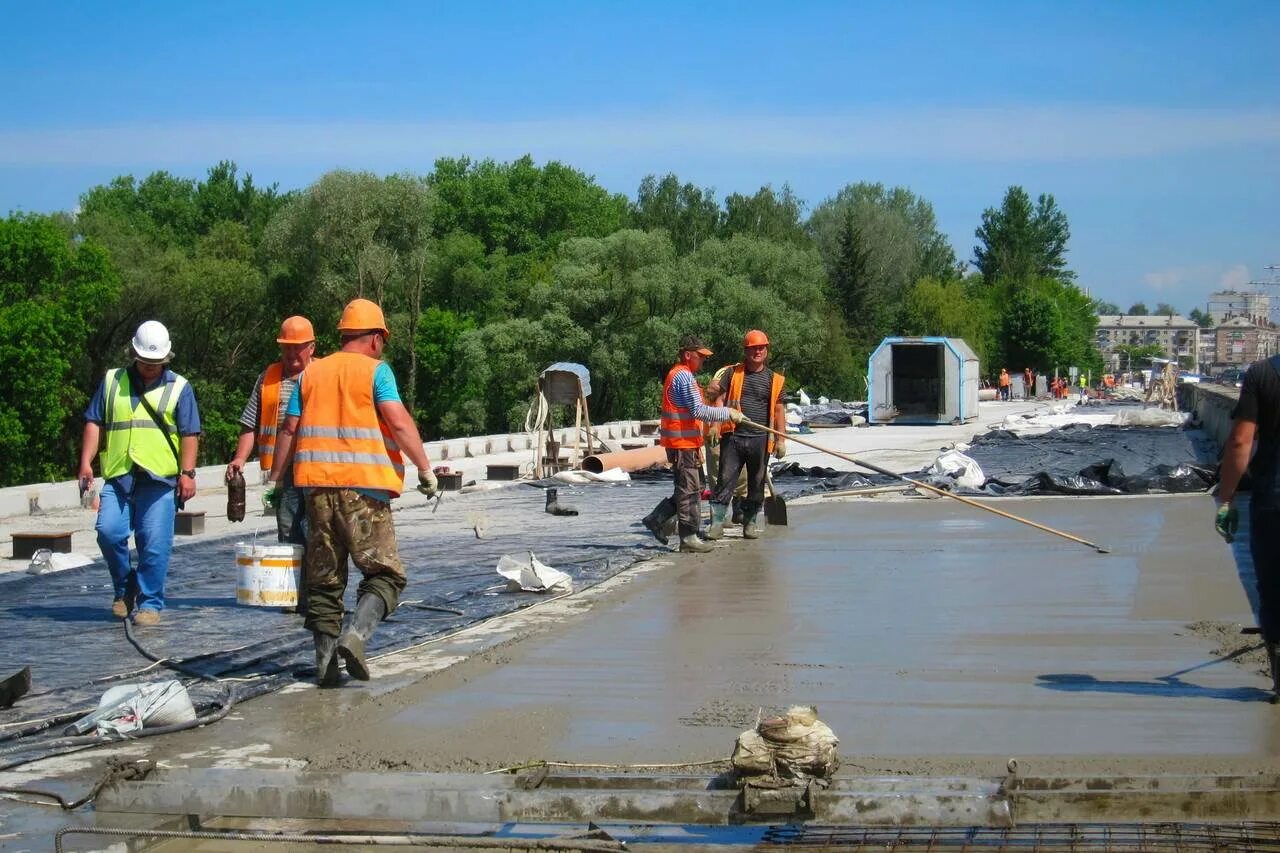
733 399
678 429
340 442
131 437
269 415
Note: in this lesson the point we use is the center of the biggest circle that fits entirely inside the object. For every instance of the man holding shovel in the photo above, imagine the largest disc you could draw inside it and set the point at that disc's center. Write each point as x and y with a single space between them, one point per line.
756 392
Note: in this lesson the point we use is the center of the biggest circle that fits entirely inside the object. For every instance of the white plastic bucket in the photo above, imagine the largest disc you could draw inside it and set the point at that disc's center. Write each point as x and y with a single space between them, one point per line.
268 575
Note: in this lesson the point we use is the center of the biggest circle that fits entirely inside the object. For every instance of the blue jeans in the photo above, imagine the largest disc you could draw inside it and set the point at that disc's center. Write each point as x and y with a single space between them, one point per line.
147 512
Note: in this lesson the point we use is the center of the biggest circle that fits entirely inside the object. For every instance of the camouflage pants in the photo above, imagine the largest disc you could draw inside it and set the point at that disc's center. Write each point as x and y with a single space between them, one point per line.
345 523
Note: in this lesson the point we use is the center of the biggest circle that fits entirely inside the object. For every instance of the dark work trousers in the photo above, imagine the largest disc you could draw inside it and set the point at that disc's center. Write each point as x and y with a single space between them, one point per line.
687 467
1264 546
735 452
291 528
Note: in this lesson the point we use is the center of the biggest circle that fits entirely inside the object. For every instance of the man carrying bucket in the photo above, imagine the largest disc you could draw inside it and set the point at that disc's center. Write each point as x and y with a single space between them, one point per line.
351 429
262 418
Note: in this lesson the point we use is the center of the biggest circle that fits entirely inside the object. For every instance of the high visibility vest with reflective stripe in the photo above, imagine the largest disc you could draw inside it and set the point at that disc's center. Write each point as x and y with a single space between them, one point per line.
678 429
340 442
132 437
269 415
733 399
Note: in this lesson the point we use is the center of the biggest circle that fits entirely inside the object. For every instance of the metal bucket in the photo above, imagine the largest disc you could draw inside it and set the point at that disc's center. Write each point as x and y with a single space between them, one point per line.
268 575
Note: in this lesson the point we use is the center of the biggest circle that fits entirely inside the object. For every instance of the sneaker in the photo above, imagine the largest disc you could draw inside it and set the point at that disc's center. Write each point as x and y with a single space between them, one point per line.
146 618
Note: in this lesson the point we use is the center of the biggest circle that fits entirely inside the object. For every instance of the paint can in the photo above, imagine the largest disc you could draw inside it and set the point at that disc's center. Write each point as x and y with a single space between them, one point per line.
268 575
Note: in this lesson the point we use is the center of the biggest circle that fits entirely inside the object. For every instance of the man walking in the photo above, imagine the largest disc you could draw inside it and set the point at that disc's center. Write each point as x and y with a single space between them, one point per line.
262 418
1004 383
151 424
1257 417
755 392
351 429
680 431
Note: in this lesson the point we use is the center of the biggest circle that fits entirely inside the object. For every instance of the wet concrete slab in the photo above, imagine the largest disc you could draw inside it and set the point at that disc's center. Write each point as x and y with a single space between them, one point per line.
917 628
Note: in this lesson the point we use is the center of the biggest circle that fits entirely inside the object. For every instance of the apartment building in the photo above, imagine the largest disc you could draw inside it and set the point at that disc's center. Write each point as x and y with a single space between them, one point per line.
1176 335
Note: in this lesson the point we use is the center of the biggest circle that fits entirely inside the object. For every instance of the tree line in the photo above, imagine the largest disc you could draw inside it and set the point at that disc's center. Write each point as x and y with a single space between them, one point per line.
490 271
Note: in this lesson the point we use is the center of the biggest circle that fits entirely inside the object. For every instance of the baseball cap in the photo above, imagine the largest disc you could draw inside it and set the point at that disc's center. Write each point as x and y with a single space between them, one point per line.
694 343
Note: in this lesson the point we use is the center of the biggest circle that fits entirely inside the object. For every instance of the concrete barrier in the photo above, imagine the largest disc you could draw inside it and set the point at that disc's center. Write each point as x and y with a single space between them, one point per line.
1212 406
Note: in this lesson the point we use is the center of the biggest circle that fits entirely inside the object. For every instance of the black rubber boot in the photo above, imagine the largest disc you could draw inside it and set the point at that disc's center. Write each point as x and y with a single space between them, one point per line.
555 508
1273 659
736 518
659 521
327 672
369 612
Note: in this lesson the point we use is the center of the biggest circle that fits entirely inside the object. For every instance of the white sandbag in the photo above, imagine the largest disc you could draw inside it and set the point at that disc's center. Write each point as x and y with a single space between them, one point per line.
532 576
45 561
960 468
128 707
796 744
579 477
1149 416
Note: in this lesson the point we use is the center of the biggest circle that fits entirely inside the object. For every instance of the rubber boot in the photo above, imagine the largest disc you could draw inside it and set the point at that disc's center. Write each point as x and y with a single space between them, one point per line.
1273 659
693 544
718 513
327 672
369 612
736 518
554 507
661 520
750 530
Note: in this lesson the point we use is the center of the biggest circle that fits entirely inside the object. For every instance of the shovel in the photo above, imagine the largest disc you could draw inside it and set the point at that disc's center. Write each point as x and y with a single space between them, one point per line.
775 508
15 687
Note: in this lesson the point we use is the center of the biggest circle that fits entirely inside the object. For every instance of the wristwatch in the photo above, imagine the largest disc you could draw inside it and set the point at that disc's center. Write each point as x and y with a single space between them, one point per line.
190 472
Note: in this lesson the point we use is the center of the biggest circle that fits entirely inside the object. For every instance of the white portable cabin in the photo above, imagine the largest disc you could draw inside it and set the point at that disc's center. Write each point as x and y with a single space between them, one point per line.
922 381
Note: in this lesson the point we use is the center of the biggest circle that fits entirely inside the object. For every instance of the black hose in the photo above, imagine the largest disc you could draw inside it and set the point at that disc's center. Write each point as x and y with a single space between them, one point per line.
452 842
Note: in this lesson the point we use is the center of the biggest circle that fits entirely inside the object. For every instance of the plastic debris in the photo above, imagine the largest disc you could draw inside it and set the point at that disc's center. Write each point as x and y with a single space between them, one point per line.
127 708
959 469
44 561
532 576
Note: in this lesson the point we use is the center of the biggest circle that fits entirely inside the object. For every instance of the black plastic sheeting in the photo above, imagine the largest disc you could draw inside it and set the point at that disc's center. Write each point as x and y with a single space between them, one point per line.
1077 459
833 413
60 623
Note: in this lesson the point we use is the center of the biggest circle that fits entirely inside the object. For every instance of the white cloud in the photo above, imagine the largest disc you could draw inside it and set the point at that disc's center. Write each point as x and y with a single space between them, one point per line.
950 134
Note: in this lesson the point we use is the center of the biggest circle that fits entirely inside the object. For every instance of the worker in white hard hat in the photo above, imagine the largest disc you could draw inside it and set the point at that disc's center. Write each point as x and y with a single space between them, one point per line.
144 427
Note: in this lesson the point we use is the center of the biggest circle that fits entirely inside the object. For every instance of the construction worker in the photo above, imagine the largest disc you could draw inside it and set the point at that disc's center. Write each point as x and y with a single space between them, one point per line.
147 461
755 391
715 394
1004 383
1084 388
261 419
351 429
680 431
1256 417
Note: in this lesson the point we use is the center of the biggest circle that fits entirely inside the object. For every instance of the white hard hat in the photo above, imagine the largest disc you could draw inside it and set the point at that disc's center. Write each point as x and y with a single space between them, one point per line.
151 343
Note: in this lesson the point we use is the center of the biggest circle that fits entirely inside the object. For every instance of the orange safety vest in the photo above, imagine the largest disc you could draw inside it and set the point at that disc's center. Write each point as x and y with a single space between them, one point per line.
342 444
734 399
269 415
678 429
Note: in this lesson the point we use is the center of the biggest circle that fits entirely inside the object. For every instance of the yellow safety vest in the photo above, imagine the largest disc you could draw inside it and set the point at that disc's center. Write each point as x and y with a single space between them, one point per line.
132 436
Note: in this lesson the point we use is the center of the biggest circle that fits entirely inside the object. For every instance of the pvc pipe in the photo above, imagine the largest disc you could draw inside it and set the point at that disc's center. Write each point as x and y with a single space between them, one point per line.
627 460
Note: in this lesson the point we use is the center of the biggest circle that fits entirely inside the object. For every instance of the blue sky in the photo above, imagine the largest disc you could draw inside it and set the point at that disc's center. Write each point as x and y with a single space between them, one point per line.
1156 125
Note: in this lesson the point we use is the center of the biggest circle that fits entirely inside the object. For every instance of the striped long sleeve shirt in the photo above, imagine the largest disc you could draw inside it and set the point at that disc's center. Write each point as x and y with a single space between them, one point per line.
685 393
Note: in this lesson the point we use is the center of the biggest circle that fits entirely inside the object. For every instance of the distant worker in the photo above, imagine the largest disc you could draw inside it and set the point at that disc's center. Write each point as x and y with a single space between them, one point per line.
1084 389
1257 417
148 461
1004 383
351 429
756 392
1028 384
261 420
680 432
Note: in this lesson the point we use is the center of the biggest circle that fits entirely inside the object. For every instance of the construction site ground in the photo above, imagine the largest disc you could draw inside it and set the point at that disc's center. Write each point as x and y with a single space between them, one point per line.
935 639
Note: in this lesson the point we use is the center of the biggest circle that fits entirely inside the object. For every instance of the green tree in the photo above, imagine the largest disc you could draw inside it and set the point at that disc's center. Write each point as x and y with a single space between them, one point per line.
1031 330
945 308
1138 309
858 294
1020 240
688 214
1201 318
1102 308
1164 309
52 290
770 215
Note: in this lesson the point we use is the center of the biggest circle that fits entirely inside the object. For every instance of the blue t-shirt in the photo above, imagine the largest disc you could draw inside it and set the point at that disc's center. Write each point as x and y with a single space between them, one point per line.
385 390
186 416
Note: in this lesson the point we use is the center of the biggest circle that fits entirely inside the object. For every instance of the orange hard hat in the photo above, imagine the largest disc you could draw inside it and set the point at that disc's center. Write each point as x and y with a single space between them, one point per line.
756 338
296 330
361 315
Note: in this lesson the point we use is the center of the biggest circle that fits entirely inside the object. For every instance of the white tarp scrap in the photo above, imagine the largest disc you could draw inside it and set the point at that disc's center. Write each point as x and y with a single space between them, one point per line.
530 575
960 468
126 708
45 561
578 476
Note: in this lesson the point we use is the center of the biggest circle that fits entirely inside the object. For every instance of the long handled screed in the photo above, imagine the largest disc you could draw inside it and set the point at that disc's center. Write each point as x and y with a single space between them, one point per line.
798 440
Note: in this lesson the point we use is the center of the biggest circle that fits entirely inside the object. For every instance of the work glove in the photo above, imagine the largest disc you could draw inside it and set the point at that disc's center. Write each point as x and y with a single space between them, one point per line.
736 416
427 483
271 497
1227 522
779 449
